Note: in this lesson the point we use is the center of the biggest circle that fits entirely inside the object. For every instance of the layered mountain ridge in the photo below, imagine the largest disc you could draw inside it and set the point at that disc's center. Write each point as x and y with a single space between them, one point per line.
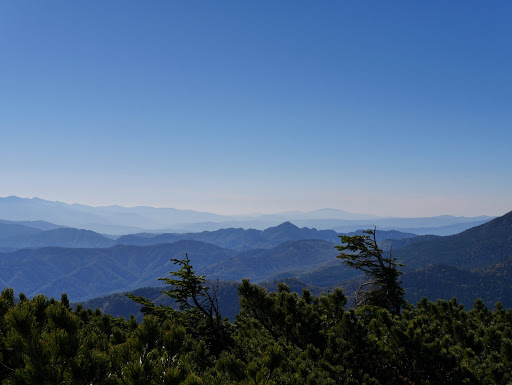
473 263
118 220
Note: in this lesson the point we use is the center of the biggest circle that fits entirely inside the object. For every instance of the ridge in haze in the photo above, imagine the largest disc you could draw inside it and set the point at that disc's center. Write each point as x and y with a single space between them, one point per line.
118 220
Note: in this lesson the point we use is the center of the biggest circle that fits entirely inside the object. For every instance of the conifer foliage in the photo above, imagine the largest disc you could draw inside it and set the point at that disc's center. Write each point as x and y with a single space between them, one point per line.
198 306
278 338
383 287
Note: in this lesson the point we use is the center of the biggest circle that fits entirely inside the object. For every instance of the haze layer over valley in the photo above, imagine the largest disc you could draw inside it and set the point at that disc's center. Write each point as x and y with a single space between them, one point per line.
118 220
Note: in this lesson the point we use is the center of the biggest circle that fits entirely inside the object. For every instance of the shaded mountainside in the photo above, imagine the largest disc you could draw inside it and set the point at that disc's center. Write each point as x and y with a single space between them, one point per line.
87 273
40 225
259 265
477 247
9 230
492 284
119 305
331 273
64 237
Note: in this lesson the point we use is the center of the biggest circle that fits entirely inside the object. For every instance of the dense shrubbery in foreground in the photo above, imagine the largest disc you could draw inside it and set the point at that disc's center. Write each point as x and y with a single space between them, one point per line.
278 338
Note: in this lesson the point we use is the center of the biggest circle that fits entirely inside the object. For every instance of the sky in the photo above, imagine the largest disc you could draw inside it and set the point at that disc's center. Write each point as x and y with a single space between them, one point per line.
390 108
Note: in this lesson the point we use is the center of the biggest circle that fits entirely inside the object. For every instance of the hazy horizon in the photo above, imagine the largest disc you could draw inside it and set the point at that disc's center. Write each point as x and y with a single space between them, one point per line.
393 109
240 214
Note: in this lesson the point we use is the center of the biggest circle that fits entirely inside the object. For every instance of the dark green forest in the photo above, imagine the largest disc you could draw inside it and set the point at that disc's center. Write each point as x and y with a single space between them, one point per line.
277 338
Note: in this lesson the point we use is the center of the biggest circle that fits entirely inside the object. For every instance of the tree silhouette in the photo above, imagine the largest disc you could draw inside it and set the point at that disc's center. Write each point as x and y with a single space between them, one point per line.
198 306
383 287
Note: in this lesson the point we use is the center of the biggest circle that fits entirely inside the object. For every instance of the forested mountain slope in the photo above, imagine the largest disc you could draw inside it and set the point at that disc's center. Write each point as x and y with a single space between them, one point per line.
63 237
88 273
39 225
492 284
237 238
259 265
9 230
477 247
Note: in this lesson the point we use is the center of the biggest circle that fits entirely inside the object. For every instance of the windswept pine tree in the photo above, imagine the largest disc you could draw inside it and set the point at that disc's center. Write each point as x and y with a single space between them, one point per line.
383 287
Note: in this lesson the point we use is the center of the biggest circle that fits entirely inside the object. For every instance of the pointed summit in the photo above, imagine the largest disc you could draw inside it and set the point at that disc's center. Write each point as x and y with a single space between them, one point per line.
282 229
285 225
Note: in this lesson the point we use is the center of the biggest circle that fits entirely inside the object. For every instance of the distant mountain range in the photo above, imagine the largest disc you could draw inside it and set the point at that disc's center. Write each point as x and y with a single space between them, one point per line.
37 256
88 273
14 236
120 220
88 264
474 264
237 238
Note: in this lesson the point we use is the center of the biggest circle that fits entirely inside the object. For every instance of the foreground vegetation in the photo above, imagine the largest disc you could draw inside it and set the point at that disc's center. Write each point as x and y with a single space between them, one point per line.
277 338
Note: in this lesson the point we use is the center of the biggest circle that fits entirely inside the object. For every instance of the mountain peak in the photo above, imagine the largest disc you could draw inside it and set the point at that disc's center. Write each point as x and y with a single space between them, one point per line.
11 198
283 228
286 225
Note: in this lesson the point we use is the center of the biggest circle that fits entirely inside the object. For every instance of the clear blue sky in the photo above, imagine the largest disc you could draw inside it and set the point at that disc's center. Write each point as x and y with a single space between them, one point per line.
398 108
